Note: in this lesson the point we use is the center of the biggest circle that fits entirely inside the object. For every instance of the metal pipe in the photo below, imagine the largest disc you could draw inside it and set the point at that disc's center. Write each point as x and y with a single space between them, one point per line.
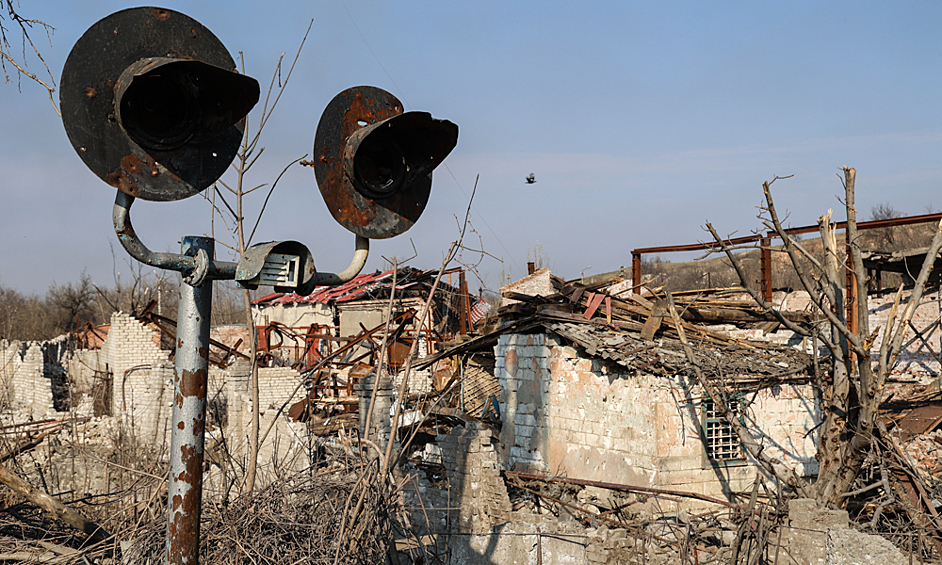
356 265
189 414
121 218
765 267
636 271
621 487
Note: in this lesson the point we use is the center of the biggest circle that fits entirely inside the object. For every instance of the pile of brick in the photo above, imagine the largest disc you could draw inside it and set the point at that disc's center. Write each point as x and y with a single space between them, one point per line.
926 451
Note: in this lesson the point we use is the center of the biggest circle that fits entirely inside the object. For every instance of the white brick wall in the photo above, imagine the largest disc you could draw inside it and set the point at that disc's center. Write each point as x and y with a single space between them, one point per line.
286 446
142 378
30 371
917 358
573 416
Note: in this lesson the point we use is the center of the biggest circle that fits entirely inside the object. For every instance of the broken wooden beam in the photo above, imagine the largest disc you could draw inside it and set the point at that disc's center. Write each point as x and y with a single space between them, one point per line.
52 506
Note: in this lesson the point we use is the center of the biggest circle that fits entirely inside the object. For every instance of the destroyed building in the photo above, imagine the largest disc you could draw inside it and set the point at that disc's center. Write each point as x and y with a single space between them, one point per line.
583 388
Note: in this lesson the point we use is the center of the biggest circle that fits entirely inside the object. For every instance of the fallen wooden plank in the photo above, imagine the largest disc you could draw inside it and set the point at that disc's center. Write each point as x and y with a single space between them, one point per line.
52 506
652 324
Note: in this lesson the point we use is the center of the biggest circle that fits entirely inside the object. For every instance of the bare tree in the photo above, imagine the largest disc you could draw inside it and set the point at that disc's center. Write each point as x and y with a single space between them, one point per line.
884 211
74 303
854 389
8 55
247 156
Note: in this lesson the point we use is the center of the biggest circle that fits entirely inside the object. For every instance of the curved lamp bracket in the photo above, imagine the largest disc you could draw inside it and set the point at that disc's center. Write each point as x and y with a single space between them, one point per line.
121 217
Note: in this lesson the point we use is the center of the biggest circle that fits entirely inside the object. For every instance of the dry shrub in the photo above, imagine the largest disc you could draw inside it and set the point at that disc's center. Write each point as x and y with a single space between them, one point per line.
342 514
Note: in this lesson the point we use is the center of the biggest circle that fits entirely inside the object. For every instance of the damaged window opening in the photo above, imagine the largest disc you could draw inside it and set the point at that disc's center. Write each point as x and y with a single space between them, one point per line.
720 441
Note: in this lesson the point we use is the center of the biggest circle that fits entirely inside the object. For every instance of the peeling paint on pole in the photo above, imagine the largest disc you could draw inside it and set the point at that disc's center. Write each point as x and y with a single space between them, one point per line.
189 415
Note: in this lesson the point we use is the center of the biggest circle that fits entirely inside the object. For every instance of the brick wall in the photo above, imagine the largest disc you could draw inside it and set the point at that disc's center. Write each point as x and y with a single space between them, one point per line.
574 416
419 380
917 358
81 368
142 378
474 498
537 284
287 446
294 315
33 375
145 405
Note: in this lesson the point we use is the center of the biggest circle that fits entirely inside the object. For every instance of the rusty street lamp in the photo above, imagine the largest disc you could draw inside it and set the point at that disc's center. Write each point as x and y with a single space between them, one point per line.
153 105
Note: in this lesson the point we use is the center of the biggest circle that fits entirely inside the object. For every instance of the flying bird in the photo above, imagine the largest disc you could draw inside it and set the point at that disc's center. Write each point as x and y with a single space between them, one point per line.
531 179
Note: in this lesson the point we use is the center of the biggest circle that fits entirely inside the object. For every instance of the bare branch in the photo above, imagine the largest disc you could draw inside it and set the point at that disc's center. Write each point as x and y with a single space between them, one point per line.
266 113
5 48
927 265
773 466
802 276
744 280
265 204
254 188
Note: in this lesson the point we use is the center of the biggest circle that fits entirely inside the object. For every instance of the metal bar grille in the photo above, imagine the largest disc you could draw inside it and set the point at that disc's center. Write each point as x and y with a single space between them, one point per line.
721 441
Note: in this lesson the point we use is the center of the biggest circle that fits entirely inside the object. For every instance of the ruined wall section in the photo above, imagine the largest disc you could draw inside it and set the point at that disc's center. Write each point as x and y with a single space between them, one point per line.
472 498
84 368
294 315
540 283
567 414
420 380
142 378
919 357
287 446
27 384
11 352
33 376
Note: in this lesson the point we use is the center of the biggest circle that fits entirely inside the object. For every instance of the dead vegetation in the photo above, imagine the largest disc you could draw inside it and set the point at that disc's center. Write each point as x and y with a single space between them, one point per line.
341 511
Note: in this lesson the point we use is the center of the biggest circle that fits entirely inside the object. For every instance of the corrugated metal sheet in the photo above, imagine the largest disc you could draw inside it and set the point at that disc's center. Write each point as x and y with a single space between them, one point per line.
366 286
357 287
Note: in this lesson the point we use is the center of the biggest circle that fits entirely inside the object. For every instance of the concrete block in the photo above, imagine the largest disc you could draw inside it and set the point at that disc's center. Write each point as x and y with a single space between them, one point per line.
525 420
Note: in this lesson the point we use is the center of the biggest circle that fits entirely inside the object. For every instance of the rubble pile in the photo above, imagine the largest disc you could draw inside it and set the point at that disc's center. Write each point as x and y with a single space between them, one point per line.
926 452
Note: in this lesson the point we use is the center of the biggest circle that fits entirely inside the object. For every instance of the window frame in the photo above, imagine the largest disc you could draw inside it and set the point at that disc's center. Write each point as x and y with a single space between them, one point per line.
708 417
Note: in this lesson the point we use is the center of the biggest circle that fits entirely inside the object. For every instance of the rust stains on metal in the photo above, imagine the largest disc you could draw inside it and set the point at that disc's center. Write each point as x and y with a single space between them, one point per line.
118 178
131 164
189 457
373 162
193 383
126 231
184 531
95 83
160 14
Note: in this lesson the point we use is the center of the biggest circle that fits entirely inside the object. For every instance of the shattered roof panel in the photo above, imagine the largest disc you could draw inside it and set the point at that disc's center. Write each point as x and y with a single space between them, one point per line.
357 287
368 285
764 361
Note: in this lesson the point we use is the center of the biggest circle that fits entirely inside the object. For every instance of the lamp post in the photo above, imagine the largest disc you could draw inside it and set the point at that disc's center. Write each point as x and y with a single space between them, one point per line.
164 127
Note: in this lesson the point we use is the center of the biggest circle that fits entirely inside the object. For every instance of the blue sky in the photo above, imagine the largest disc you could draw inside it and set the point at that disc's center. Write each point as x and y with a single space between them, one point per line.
640 120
